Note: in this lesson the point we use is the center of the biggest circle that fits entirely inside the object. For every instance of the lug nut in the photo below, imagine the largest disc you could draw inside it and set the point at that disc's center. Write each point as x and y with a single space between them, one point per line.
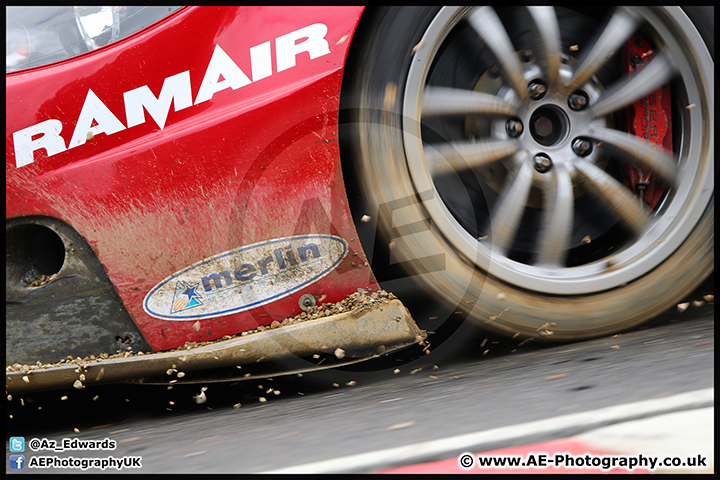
514 127
542 163
582 147
537 90
578 101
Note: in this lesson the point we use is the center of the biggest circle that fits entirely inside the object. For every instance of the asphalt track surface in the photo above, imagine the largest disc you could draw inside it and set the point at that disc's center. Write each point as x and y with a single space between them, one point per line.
366 408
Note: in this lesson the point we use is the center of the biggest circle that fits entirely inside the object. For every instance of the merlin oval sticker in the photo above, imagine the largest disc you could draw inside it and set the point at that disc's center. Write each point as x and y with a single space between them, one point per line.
245 277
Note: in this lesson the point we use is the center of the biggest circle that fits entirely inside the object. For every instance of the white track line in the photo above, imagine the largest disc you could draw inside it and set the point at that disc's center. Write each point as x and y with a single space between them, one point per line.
479 441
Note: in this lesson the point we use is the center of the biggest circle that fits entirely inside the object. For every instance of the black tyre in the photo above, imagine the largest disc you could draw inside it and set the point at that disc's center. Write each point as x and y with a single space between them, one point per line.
500 141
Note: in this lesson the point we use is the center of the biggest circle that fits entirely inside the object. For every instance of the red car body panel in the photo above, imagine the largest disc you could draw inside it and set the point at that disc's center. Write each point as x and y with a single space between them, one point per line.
248 165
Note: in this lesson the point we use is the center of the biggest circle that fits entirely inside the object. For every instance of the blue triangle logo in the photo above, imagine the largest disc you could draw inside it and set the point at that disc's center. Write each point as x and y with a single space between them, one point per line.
186 297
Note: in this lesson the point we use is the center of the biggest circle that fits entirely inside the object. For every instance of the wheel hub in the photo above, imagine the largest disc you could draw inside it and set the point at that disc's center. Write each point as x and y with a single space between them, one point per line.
549 125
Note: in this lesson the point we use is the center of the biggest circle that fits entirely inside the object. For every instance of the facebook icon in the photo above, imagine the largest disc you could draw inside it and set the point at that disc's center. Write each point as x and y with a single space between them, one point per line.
17 462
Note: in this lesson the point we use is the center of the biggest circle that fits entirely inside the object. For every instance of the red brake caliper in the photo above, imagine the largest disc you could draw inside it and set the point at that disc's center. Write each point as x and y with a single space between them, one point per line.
650 119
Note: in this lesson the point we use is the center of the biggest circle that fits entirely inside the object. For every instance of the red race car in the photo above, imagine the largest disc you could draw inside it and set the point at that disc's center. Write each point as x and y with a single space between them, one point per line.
201 187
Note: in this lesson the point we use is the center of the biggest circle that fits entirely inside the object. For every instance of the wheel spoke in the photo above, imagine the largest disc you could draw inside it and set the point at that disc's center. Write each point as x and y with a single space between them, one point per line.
629 210
453 101
616 32
557 222
449 157
488 26
637 151
657 73
548 41
510 207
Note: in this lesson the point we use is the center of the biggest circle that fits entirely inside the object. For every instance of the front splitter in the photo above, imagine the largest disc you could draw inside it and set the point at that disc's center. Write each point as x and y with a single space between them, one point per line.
351 336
